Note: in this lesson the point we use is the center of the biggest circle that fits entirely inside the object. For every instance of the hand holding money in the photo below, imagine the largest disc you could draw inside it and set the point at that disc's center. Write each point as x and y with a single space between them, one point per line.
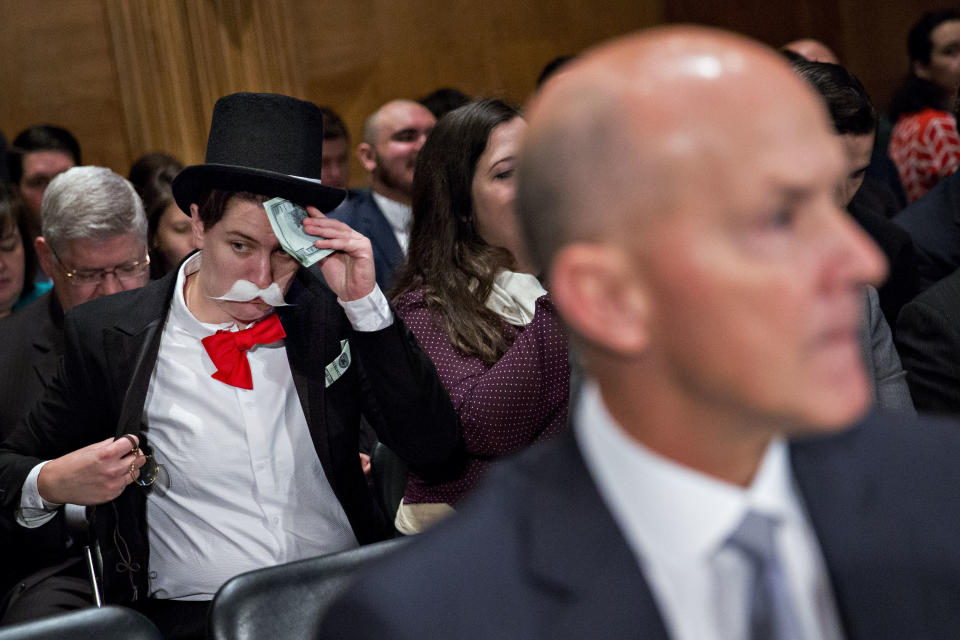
345 256
287 218
349 270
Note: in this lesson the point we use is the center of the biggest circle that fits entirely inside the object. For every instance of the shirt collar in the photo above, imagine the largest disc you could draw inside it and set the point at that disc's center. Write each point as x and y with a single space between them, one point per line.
666 508
181 316
396 213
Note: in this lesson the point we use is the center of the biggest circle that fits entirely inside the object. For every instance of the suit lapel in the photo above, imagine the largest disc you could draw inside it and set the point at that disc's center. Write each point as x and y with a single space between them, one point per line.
131 346
583 564
306 326
139 355
48 342
834 493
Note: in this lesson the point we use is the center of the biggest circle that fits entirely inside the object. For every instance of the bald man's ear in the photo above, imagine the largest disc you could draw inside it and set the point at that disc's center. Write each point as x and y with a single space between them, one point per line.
197 225
367 156
596 291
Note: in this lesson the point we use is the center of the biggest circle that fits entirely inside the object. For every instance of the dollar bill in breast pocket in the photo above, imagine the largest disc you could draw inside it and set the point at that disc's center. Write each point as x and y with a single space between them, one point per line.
339 366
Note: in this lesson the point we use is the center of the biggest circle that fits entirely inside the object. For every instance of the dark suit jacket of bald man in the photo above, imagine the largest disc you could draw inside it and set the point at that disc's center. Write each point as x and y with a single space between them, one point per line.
363 215
537 554
111 347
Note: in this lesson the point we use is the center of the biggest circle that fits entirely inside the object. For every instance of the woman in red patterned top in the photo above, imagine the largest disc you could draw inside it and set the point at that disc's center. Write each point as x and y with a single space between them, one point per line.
924 144
469 295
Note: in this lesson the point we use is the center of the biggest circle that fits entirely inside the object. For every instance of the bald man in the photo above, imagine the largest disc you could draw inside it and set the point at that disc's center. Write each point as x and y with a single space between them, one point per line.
812 50
681 184
392 138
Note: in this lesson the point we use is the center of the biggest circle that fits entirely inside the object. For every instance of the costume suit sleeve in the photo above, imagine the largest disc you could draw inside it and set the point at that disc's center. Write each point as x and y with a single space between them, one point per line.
507 406
929 343
404 400
69 415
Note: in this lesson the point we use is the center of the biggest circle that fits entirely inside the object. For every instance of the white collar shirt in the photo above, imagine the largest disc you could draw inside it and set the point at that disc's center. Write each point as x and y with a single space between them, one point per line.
246 489
398 217
676 521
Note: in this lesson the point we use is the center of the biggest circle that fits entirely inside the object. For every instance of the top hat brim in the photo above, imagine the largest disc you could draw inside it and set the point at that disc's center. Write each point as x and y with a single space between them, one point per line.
193 184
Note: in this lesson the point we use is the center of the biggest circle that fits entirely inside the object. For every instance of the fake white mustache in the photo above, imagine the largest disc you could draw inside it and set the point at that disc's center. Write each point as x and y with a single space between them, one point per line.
246 291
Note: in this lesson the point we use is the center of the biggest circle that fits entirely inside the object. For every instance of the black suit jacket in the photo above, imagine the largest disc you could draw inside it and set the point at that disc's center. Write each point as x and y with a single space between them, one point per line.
536 553
933 222
111 346
364 216
903 280
928 338
31 342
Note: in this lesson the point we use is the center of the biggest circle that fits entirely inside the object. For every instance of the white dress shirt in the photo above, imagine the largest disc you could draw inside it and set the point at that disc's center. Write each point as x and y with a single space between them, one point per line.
398 217
676 520
246 489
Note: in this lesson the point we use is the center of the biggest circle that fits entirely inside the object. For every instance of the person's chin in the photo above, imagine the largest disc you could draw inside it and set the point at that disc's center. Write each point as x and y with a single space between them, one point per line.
841 400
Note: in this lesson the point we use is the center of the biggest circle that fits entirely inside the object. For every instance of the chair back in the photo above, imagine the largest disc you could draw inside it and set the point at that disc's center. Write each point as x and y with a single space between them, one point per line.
288 601
86 624
389 478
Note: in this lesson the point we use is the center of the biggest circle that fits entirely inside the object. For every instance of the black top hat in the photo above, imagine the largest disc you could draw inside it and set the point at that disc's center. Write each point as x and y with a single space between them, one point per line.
262 143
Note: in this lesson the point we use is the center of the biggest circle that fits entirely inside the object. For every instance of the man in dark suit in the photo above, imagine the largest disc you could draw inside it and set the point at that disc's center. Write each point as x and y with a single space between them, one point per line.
243 376
392 138
855 121
680 187
94 243
94 225
928 337
933 223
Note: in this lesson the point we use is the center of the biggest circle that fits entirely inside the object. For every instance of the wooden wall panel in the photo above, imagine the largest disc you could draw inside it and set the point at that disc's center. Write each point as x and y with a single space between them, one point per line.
57 66
875 39
176 57
131 76
359 55
241 45
156 78
774 22
869 37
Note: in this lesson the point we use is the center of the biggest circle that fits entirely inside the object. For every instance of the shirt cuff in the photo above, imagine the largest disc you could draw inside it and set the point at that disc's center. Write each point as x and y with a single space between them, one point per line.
369 313
34 511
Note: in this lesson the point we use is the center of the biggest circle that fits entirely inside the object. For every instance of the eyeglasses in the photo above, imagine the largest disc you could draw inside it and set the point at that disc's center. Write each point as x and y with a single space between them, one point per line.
89 277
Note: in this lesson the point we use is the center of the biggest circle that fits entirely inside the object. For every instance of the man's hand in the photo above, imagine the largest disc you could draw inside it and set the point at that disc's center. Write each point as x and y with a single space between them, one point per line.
92 475
349 271
365 464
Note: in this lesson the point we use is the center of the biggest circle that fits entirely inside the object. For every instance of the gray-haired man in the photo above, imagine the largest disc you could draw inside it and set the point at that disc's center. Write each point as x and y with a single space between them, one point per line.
94 243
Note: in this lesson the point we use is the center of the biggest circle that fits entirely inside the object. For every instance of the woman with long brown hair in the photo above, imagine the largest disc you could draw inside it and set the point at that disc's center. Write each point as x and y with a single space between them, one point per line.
469 295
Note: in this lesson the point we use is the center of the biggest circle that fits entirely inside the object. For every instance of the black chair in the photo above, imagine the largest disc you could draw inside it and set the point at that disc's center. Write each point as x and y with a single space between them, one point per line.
389 478
86 624
288 601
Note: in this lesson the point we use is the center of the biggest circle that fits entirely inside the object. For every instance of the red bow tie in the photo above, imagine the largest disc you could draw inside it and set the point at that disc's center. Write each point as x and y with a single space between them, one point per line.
228 350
